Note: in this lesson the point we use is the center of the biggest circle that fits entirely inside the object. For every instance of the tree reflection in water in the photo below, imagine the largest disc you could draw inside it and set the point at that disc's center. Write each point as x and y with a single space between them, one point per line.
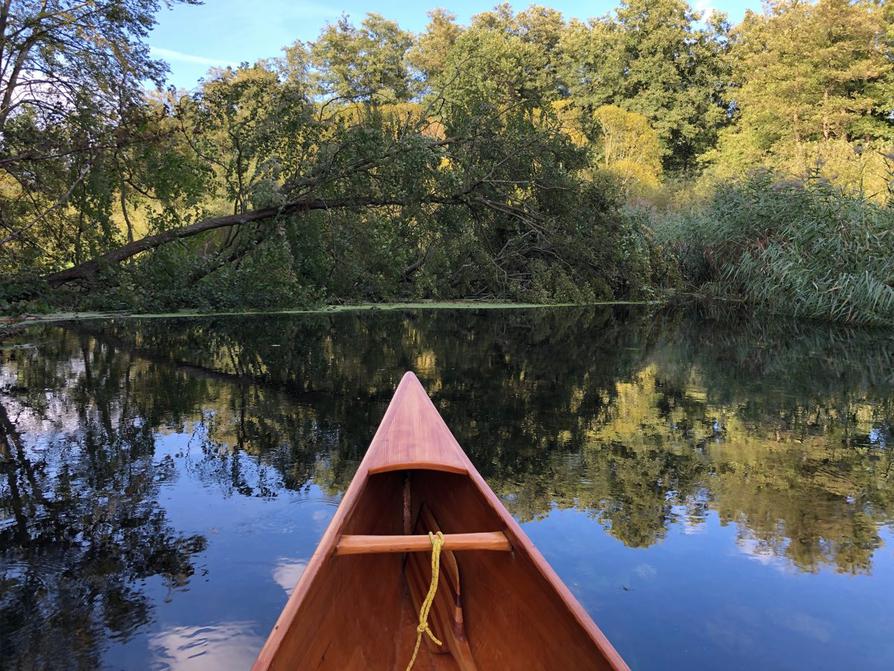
644 419
82 526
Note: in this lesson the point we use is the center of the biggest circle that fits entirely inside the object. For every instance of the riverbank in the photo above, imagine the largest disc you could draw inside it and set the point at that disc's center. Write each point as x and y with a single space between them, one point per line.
12 322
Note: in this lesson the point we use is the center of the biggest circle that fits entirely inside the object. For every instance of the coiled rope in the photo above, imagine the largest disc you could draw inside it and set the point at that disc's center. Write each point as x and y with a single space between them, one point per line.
437 542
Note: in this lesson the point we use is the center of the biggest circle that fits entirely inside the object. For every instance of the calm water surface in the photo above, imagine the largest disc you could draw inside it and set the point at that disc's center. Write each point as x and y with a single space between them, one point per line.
717 495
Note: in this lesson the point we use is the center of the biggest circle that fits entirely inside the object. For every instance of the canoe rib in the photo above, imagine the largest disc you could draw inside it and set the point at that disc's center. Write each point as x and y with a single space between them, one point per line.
414 437
367 544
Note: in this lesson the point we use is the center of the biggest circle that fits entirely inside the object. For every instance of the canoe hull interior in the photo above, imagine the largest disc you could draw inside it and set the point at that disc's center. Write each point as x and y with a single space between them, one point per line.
355 611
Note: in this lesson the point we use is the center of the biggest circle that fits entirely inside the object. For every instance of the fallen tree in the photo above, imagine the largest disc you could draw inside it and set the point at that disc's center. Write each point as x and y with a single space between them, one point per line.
89 269
477 190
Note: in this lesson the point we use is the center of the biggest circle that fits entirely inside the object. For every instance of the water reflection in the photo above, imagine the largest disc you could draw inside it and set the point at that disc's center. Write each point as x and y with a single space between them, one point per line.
81 522
225 646
148 465
287 571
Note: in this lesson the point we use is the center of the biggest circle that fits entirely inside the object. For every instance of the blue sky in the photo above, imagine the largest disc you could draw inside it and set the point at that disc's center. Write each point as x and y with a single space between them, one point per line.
223 32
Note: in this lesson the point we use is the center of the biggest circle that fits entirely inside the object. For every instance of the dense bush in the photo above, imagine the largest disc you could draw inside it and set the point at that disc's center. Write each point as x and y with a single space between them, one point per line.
792 246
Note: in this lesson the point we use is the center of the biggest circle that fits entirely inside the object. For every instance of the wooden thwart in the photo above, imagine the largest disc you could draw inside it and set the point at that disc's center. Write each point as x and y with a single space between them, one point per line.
361 544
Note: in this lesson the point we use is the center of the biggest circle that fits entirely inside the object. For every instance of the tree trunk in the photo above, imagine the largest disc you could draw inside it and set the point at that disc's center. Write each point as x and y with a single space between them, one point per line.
87 270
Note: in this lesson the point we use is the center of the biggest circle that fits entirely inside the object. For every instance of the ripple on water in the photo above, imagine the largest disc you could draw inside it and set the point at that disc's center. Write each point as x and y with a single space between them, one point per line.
32 572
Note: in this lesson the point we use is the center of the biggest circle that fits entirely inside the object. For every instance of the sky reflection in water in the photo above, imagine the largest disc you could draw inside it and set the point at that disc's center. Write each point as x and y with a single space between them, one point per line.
717 495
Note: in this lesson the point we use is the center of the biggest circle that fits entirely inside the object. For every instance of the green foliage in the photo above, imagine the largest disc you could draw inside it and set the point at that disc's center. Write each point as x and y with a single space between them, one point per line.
262 279
72 112
654 59
811 76
818 85
520 156
432 48
801 248
535 34
629 149
365 63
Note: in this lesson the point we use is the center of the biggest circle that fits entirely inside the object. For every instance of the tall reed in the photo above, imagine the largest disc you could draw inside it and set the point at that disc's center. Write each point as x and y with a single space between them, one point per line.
796 247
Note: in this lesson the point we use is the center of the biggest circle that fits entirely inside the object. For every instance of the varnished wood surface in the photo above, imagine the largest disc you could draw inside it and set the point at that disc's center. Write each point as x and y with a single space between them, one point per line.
413 435
355 612
366 544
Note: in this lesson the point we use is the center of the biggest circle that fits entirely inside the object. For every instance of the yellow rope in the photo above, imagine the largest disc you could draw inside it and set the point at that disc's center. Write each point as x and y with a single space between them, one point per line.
437 541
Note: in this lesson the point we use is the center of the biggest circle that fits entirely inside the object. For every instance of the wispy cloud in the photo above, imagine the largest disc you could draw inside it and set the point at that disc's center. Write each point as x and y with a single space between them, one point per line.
221 646
180 57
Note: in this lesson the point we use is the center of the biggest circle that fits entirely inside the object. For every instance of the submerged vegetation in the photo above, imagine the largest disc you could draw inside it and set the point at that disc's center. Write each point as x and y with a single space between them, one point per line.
523 157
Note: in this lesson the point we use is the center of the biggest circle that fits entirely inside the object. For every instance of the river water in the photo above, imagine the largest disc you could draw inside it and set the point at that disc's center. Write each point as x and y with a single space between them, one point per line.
718 494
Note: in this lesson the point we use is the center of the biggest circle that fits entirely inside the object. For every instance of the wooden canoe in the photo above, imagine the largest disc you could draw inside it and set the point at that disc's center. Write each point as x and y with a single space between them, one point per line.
499 605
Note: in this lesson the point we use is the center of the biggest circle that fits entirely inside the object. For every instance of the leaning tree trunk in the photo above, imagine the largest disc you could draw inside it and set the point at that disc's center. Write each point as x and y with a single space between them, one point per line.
88 269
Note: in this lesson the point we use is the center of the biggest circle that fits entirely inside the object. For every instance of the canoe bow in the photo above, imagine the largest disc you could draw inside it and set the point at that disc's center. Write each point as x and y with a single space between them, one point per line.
414 438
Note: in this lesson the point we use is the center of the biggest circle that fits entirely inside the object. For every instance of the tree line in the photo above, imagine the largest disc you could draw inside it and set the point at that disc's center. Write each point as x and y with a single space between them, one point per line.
521 156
